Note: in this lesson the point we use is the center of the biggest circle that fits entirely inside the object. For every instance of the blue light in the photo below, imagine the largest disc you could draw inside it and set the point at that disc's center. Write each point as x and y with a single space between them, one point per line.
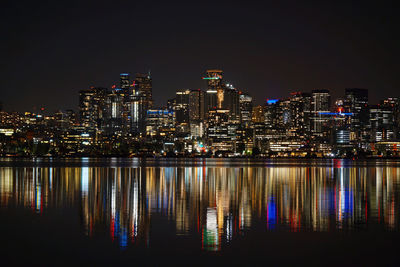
159 112
336 113
272 101
124 74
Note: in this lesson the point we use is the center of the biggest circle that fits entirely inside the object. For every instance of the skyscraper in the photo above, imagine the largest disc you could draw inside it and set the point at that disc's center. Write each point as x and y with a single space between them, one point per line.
138 111
182 105
215 90
320 103
246 109
92 107
357 102
143 83
300 109
196 105
124 82
231 103
125 95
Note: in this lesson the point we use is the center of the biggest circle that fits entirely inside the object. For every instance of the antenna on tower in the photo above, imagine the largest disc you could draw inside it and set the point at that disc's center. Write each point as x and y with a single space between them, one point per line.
149 74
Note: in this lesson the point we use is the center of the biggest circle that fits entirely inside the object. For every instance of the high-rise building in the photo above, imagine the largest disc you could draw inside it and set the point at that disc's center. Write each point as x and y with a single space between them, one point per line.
115 107
231 103
215 89
220 134
271 113
144 87
92 107
124 82
138 111
320 104
161 123
300 109
357 103
196 106
258 114
181 107
246 109
382 122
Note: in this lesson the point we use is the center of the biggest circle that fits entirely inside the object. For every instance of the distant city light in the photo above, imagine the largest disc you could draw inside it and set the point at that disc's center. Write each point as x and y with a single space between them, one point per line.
272 101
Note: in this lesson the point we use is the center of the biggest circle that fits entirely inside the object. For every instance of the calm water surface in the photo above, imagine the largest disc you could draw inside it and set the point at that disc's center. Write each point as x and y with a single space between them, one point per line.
190 212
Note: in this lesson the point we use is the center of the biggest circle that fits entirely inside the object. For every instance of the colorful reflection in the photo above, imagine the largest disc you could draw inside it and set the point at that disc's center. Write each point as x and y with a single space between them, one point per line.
215 204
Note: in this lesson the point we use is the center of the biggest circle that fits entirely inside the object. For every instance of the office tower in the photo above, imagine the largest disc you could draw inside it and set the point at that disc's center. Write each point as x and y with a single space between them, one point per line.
115 110
124 82
160 123
299 110
92 107
125 94
340 124
258 114
71 116
357 102
196 106
182 106
143 84
320 103
271 113
219 135
393 104
231 103
138 111
215 89
246 109
382 122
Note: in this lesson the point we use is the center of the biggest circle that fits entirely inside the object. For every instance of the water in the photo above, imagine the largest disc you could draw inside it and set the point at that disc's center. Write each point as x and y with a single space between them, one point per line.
199 211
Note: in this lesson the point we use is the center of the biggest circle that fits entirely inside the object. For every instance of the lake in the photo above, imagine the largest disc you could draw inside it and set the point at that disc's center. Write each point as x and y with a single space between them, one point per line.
199 211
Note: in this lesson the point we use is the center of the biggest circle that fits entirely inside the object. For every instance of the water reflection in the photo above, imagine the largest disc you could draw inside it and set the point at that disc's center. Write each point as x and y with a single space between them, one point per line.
214 204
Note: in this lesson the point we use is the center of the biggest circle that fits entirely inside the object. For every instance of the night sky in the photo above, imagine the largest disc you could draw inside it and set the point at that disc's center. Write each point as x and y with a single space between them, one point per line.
52 49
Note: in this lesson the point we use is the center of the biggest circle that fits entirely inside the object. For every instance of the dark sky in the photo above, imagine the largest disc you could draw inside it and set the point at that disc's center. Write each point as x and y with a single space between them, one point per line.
52 49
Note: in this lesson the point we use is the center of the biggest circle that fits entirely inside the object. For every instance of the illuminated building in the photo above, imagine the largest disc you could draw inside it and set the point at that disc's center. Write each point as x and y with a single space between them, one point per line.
182 106
144 87
258 114
231 103
115 109
246 109
196 129
92 107
320 103
160 122
215 90
220 133
196 106
138 113
382 123
124 82
300 111
357 103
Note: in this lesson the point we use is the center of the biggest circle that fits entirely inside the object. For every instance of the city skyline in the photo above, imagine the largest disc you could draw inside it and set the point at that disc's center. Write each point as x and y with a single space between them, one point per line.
221 121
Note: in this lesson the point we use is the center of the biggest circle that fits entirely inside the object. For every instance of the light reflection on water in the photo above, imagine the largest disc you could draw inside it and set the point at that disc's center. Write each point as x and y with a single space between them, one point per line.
214 203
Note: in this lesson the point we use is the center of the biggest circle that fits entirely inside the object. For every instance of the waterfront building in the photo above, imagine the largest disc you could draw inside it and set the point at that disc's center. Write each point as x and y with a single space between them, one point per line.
246 109
92 107
357 104
382 123
196 106
181 106
144 87
161 123
215 89
320 104
220 132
